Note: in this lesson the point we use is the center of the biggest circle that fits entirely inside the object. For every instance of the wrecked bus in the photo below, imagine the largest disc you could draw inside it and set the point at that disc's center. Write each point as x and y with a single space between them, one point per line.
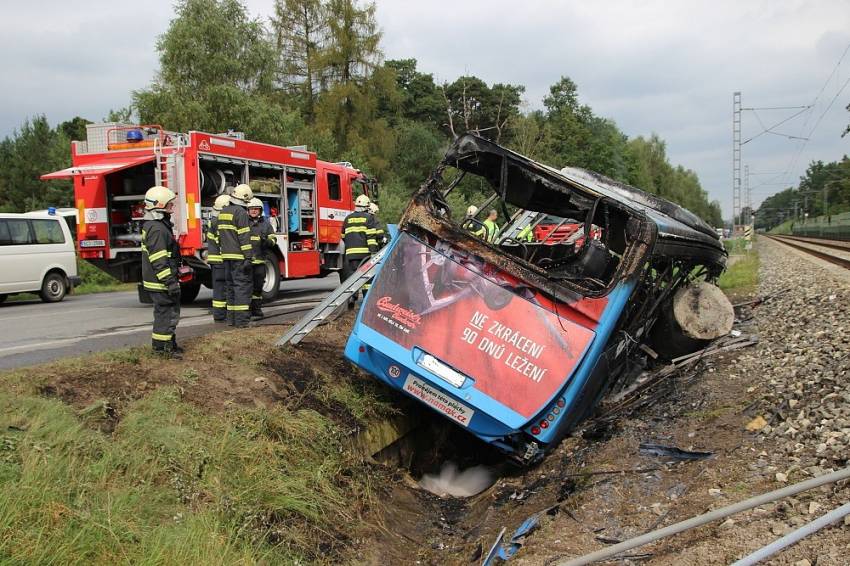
517 339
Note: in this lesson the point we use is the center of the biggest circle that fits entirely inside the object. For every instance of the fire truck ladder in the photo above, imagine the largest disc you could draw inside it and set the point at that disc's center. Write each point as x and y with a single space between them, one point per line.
335 300
165 161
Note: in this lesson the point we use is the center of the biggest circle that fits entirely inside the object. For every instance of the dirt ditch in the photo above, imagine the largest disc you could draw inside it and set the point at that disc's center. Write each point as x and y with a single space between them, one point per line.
596 489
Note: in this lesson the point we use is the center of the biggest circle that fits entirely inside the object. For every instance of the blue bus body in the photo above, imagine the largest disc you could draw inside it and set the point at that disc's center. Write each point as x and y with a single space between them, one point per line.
513 346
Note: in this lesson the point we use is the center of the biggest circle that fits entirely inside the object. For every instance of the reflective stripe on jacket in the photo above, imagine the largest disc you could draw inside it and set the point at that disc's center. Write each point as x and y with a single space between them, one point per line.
234 233
213 250
358 232
160 255
492 229
262 239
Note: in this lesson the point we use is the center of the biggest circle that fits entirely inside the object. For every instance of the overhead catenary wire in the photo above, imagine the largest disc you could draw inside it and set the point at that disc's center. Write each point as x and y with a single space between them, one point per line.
792 164
700 520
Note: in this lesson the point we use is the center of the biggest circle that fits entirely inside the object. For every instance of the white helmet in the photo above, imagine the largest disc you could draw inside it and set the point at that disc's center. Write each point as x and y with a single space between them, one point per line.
157 198
242 194
362 201
373 208
472 210
221 201
255 203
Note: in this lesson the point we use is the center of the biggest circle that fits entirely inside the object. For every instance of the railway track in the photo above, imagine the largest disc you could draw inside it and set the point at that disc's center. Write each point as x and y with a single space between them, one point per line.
803 244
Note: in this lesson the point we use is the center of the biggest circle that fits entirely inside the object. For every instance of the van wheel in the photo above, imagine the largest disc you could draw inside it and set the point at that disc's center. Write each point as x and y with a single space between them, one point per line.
189 292
3 298
271 283
54 288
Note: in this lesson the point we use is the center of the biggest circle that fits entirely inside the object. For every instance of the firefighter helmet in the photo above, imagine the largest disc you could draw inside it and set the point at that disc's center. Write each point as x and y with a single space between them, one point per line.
221 201
242 194
472 210
362 201
255 203
157 198
373 208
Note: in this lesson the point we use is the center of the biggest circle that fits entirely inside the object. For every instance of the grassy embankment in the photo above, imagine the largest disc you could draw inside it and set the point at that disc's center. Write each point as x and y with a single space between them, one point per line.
220 458
741 277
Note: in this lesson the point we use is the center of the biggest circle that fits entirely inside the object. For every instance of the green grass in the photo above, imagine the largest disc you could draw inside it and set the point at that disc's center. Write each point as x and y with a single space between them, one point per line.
742 276
735 245
784 228
97 281
172 484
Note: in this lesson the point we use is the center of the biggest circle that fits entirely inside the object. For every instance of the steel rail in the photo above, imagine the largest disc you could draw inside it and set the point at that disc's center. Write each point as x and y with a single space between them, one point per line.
839 261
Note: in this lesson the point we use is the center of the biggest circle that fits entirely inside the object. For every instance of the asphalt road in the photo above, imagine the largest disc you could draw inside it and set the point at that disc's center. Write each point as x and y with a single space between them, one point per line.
33 332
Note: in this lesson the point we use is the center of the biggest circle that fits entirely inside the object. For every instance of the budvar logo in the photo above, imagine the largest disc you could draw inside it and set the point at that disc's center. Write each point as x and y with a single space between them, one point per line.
405 316
204 145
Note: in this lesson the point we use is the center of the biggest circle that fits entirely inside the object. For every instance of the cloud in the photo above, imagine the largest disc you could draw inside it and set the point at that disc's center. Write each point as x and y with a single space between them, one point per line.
655 66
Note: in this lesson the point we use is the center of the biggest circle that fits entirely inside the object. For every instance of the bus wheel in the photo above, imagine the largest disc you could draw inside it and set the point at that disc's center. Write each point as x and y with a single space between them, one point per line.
189 292
271 284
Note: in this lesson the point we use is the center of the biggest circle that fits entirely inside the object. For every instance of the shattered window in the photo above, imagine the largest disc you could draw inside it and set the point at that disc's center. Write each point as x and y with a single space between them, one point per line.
577 238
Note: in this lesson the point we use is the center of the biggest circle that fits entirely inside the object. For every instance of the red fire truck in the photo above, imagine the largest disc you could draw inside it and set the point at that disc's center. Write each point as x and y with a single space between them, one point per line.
305 199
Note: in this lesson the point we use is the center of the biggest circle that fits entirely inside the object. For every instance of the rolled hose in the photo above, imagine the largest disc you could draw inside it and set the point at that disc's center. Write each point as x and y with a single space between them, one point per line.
700 520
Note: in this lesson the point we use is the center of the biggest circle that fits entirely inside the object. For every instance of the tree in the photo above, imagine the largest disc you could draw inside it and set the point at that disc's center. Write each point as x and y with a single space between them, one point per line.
352 50
472 106
217 68
31 151
300 30
75 128
420 98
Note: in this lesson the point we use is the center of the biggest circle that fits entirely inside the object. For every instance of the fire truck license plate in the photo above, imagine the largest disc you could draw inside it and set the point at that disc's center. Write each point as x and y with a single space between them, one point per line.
456 411
92 243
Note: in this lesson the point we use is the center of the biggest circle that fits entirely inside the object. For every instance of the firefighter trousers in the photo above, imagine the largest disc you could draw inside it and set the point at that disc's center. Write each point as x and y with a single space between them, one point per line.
219 299
259 278
239 286
349 266
166 315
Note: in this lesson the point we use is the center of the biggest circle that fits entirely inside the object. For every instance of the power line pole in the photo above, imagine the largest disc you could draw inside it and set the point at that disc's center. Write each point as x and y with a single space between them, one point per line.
748 203
736 158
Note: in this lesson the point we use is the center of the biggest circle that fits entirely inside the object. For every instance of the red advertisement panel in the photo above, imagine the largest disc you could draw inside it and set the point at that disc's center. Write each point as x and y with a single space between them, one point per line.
517 352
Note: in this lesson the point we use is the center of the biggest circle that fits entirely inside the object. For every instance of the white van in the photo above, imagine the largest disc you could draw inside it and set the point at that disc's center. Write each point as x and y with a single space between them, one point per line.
36 255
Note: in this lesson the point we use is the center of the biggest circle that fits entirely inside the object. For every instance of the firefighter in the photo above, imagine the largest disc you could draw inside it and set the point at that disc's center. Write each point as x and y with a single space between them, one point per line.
219 301
234 239
160 262
262 240
359 237
380 233
472 226
526 234
490 226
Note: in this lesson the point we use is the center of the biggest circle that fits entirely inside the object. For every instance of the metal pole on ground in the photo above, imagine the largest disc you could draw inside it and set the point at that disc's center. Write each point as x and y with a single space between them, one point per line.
700 520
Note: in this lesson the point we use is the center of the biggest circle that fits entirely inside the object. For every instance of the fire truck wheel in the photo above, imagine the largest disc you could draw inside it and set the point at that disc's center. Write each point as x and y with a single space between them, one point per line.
53 288
189 292
271 285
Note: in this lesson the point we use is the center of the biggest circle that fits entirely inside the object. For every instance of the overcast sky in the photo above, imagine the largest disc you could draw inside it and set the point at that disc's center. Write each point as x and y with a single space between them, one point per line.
665 67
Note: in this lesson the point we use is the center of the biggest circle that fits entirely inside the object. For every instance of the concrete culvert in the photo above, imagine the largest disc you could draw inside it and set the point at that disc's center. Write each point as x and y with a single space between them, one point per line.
696 315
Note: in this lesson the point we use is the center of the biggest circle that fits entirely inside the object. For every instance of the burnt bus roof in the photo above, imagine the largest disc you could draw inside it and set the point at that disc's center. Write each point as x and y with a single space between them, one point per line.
527 184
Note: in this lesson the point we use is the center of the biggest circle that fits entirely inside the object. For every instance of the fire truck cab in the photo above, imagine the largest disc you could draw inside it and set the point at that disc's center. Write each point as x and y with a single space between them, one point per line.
305 199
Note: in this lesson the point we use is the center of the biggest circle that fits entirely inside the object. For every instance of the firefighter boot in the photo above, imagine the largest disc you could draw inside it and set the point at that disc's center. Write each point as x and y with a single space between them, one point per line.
174 347
256 309
165 350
